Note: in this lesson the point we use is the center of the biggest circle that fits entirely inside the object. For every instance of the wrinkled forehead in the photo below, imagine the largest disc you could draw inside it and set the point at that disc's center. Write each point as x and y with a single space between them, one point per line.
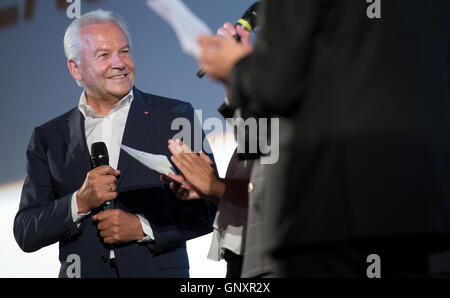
103 35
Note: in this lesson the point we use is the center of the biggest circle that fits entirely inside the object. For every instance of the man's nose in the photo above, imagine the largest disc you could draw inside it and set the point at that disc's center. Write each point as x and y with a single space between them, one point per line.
117 62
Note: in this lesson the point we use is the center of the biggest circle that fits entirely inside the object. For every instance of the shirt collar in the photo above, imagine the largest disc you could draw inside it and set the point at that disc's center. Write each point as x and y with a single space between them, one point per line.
88 111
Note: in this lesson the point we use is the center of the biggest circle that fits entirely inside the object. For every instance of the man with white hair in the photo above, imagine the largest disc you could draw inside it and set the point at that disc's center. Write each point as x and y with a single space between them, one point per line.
144 234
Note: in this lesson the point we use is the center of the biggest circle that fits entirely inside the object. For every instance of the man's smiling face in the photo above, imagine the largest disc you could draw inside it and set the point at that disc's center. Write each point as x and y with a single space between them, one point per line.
106 66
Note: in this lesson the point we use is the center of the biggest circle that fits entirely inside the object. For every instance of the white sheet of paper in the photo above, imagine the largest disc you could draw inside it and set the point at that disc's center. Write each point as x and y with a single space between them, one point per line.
184 22
159 163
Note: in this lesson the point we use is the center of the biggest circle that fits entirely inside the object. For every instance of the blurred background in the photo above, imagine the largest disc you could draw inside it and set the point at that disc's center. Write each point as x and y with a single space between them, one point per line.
36 86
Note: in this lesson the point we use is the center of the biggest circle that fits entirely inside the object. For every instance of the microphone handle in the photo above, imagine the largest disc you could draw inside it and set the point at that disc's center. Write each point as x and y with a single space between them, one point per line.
201 72
107 206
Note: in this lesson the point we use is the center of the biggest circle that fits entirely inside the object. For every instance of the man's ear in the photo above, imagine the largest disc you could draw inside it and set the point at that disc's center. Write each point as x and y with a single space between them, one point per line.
74 71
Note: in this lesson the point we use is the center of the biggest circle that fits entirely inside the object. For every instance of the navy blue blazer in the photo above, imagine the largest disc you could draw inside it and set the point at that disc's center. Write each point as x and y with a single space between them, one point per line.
57 163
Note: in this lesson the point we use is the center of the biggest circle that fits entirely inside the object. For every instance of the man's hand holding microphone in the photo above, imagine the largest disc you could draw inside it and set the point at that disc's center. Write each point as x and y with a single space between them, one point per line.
98 190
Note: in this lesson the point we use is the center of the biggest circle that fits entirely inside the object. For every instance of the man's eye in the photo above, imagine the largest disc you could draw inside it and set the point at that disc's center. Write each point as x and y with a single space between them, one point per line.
103 55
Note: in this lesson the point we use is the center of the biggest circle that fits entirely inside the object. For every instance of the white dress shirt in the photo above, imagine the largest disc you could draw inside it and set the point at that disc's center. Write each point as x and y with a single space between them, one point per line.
109 129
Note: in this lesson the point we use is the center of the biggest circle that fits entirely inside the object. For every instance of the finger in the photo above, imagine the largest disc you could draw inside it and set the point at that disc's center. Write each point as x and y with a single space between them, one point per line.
164 179
110 240
180 146
183 194
106 180
186 187
177 178
102 215
225 33
110 187
185 154
175 187
102 227
182 181
104 170
205 158
105 190
185 147
195 161
190 165
97 216
244 34
182 158
113 172
230 28
180 164
105 225
109 179
106 233
108 196
175 147
178 158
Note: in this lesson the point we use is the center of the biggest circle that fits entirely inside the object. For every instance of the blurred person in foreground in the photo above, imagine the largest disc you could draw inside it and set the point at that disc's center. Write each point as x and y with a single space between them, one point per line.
236 236
368 156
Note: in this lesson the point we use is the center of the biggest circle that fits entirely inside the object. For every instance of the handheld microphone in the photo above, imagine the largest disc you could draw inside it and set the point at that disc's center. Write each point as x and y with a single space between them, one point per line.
100 157
247 21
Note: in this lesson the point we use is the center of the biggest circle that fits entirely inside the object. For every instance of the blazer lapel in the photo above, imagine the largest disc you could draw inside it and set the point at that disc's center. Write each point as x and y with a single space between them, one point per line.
139 121
75 140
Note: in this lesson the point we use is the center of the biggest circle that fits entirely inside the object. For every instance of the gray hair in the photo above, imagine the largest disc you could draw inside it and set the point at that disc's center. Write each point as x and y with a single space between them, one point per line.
73 46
